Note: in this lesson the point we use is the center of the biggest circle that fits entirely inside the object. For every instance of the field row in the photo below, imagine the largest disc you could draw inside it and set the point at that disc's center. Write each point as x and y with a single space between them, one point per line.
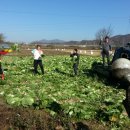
85 96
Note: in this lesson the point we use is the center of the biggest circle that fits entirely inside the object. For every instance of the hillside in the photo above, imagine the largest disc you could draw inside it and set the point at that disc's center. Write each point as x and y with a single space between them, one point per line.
117 40
120 39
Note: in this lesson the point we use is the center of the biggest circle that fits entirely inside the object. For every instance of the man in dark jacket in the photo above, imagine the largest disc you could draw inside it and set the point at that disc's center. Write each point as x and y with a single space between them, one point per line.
106 48
75 60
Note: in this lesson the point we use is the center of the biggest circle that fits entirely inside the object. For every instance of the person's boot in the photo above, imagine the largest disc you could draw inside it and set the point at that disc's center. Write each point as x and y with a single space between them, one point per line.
2 76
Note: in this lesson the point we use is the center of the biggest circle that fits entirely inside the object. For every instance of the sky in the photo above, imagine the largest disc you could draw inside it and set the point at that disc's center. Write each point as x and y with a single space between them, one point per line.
31 20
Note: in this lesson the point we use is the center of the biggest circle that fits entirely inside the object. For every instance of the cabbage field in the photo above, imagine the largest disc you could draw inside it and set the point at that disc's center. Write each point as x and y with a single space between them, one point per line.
82 97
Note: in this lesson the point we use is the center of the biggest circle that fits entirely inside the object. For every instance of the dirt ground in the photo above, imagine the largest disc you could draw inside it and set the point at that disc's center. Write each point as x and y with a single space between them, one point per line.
27 52
30 119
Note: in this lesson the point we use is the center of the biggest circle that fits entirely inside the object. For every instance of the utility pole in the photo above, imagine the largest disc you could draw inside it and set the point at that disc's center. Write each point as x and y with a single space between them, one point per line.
129 20
129 25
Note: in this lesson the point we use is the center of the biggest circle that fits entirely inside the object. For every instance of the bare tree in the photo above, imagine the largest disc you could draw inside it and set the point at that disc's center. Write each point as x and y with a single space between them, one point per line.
1 37
102 33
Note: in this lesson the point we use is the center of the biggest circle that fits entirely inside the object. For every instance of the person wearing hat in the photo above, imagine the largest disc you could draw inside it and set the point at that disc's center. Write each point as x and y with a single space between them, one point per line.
106 49
75 60
38 54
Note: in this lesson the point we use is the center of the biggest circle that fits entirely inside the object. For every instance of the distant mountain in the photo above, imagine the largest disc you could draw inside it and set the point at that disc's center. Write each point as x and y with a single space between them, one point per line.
120 40
117 40
127 36
52 41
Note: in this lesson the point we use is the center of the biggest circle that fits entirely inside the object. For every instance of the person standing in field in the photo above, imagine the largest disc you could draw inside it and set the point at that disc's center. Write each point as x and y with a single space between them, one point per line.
38 54
1 70
75 60
106 49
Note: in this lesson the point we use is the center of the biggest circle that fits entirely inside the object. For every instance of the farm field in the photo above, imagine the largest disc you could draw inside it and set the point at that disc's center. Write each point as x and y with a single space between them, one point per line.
61 95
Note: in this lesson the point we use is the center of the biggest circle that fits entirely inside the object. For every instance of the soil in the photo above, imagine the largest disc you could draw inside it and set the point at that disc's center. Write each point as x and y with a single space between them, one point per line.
47 52
12 118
